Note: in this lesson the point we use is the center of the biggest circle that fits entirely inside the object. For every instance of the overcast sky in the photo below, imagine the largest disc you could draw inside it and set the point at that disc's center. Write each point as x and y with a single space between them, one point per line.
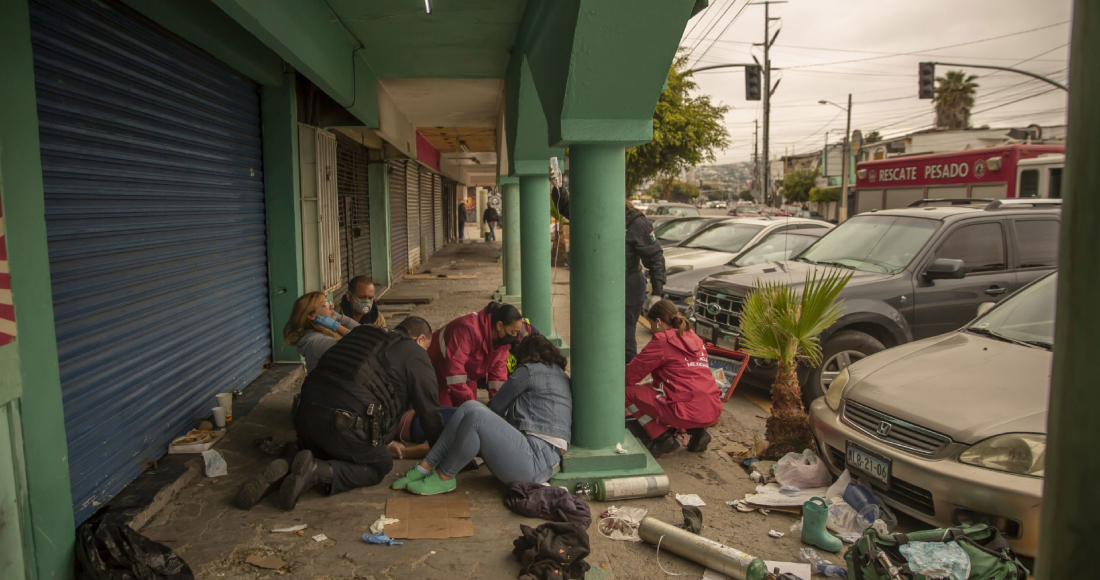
818 34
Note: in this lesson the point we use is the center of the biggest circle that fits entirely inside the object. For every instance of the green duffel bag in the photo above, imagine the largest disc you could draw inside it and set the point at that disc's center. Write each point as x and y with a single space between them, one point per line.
878 557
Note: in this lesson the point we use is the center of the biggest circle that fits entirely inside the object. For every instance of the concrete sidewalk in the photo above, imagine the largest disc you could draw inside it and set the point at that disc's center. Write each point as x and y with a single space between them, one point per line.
216 538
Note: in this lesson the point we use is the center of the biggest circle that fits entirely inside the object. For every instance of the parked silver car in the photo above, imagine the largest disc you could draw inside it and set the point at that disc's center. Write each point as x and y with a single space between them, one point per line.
952 429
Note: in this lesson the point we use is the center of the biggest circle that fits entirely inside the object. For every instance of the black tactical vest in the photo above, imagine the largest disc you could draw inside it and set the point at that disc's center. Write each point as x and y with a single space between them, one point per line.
354 370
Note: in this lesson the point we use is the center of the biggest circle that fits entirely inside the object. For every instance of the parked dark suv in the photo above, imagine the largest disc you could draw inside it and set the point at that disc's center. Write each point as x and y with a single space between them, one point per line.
917 272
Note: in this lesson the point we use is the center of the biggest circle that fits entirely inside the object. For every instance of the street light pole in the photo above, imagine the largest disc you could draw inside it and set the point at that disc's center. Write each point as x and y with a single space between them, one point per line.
842 214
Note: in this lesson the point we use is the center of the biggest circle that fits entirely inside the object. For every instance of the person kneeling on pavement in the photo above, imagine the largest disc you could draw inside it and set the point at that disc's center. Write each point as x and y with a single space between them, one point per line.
683 395
520 435
348 410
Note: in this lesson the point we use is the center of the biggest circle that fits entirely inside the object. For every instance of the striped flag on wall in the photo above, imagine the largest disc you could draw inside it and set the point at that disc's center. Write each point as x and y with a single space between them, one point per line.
7 307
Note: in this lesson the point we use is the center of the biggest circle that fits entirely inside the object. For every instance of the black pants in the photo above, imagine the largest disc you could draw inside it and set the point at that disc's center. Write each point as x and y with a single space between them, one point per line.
355 462
635 299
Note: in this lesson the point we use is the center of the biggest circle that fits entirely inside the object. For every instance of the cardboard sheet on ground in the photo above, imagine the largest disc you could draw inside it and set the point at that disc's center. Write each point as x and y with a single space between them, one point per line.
770 496
436 518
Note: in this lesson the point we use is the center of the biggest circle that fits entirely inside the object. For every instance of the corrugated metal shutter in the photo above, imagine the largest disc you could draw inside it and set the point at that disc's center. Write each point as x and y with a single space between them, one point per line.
352 184
399 233
154 200
437 212
427 229
412 216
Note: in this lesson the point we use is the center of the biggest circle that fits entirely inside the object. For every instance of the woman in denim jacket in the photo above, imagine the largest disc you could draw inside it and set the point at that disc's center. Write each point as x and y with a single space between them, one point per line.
520 435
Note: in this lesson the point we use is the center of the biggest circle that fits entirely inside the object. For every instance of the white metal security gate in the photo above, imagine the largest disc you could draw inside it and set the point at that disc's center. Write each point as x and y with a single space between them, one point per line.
412 215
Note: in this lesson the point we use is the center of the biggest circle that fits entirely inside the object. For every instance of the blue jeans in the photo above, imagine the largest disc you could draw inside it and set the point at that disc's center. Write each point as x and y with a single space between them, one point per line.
512 455
493 230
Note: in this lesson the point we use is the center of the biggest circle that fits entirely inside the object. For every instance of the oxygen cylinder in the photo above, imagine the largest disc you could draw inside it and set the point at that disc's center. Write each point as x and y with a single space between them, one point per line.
718 557
631 487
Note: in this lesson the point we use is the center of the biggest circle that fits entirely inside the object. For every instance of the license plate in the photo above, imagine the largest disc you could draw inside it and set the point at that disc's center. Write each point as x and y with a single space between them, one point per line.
874 465
705 332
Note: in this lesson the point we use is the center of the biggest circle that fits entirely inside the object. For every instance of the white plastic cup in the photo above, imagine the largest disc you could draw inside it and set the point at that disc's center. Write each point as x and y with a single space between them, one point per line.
219 417
225 400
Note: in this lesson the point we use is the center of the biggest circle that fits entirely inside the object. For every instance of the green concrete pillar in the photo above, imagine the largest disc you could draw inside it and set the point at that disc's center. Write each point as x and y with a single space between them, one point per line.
597 292
512 289
534 211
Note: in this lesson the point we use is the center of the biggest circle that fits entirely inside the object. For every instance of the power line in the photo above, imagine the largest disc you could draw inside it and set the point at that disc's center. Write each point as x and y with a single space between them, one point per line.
713 24
853 50
730 23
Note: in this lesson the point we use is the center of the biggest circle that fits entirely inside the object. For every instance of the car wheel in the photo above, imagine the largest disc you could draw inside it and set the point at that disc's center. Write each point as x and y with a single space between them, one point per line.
841 350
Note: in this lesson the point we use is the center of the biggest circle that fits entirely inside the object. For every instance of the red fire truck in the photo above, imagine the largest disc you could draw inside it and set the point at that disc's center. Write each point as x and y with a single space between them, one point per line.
975 173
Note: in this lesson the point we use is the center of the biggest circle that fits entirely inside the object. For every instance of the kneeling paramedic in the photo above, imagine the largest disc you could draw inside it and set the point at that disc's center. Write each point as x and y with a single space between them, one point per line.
348 409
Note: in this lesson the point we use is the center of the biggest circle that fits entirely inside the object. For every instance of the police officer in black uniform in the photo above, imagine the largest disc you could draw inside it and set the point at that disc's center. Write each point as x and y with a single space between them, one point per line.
642 249
348 410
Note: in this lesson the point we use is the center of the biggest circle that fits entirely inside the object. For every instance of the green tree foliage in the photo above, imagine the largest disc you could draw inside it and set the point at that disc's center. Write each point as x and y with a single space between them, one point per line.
825 194
953 99
687 130
745 196
873 137
673 190
797 185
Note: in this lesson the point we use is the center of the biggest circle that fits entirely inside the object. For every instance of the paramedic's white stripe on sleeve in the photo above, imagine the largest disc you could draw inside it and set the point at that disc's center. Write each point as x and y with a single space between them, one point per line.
644 419
7 327
496 384
457 380
632 409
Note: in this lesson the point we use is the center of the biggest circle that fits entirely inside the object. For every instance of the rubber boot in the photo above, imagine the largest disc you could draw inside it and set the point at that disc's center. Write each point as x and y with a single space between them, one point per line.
699 440
814 515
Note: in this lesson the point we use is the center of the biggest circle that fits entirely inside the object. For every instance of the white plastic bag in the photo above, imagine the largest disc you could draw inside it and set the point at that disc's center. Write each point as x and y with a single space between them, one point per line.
215 463
802 470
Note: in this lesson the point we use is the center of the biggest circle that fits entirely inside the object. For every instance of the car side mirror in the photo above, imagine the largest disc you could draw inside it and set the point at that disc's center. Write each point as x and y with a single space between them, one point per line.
945 268
985 307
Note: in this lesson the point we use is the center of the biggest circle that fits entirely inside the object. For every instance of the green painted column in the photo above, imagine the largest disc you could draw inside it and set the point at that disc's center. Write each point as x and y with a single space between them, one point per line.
513 275
1067 537
378 177
597 292
534 210
45 451
284 208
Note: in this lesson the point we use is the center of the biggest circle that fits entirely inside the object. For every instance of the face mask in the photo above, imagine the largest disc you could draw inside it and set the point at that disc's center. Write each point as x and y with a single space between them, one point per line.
362 306
507 340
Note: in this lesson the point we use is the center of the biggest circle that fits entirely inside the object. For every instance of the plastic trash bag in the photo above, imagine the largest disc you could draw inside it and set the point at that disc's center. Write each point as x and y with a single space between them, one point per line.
937 559
215 463
111 551
820 564
802 470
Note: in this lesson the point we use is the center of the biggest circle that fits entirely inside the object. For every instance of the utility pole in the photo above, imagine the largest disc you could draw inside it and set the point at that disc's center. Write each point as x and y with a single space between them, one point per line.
842 203
769 40
755 159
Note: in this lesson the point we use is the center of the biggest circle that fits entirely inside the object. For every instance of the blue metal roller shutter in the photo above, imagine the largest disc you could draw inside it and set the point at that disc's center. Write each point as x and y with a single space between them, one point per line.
151 160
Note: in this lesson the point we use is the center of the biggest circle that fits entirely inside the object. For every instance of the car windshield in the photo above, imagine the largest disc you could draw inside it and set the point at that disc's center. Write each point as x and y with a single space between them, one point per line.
1026 317
679 211
678 230
872 243
746 211
774 249
723 237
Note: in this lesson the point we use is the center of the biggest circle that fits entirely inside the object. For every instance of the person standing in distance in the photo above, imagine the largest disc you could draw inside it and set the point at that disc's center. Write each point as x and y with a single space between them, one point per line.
491 218
461 221
642 249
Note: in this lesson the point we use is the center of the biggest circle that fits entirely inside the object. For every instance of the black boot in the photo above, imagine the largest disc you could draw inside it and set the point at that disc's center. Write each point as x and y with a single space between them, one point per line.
664 443
305 473
258 486
699 440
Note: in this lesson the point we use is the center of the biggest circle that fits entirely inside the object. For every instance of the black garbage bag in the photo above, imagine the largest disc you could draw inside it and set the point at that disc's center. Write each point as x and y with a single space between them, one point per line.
108 550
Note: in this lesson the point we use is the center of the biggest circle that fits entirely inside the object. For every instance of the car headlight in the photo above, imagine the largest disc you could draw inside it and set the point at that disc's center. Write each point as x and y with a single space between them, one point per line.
1019 453
678 269
836 389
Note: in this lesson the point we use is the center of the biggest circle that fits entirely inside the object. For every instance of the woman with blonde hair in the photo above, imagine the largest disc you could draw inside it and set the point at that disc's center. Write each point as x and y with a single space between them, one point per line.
683 395
315 326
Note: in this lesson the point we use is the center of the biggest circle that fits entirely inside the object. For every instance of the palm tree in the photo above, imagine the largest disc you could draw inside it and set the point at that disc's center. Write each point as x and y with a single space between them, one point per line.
781 324
954 98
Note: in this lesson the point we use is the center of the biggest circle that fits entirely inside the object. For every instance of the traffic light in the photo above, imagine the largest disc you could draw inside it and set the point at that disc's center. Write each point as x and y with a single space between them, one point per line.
927 80
752 83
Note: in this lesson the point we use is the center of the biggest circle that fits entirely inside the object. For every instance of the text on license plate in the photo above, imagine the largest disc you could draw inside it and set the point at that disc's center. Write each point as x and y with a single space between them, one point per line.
705 332
872 464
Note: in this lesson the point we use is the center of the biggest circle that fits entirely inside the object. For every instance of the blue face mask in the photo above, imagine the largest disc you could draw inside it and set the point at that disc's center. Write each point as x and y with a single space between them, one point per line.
363 306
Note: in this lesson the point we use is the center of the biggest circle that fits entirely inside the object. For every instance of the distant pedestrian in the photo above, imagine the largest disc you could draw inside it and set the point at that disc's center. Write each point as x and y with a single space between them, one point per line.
491 217
461 221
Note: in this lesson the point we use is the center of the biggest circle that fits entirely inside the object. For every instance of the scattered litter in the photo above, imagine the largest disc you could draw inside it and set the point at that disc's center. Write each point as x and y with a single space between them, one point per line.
741 506
205 426
381 523
800 570
619 448
820 564
265 562
381 538
789 489
213 481
776 534
765 512
269 446
690 499
320 538
802 470
300 532
757 477
770 496
436 518
290 530
621 523
195 441
937 559
765 469
215 463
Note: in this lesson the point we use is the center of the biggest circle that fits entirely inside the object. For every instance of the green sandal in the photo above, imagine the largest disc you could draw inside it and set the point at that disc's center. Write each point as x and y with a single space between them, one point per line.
433 485
410 476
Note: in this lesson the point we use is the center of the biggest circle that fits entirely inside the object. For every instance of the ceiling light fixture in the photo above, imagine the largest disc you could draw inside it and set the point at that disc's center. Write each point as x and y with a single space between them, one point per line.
428 6
462 144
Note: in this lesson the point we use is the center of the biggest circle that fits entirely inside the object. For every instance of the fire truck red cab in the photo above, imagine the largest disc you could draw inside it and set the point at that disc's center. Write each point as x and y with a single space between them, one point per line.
989 173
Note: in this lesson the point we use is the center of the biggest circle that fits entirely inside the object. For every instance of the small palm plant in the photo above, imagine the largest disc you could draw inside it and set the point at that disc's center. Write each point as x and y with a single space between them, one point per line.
779 323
